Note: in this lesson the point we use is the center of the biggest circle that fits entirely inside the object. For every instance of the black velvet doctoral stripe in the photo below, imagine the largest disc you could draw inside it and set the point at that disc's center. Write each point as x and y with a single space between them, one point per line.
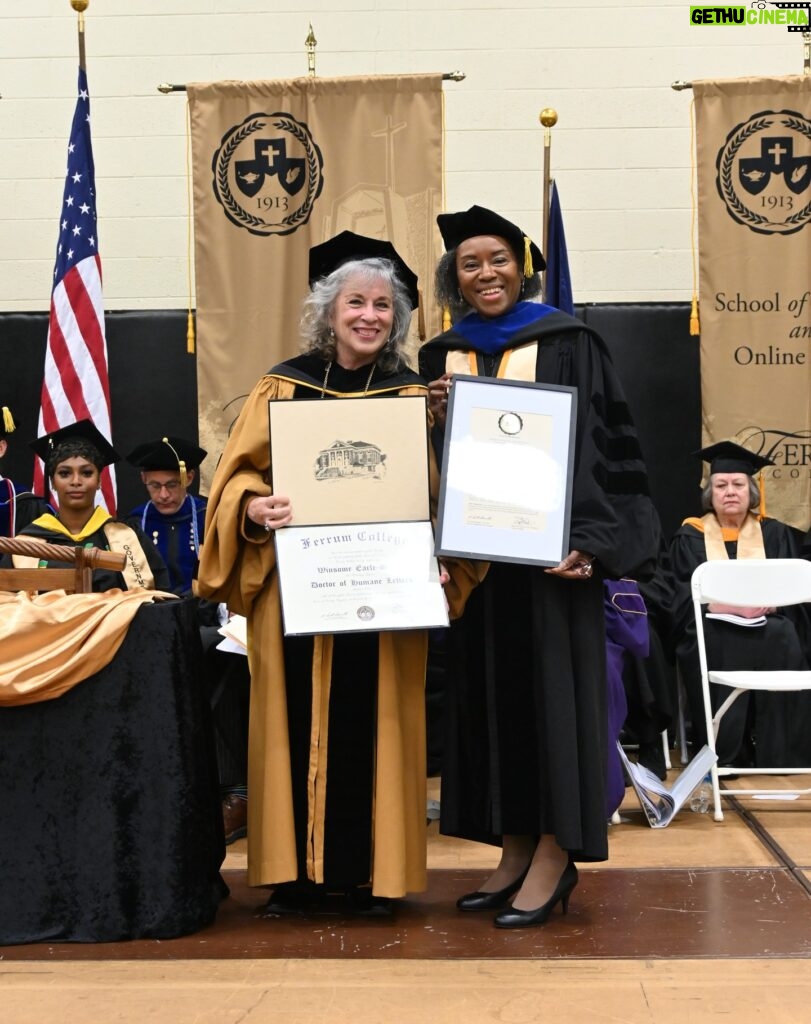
351 760
110 822
617 448
621 481
615 412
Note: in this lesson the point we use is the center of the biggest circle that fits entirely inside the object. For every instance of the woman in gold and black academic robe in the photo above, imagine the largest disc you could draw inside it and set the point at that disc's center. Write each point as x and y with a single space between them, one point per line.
336 775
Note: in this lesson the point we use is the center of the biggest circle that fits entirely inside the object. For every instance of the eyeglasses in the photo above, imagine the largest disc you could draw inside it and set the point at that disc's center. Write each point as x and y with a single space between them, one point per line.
155 488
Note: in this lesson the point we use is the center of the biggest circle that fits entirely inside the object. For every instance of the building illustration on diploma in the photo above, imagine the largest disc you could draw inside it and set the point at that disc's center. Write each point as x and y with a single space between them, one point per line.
346 459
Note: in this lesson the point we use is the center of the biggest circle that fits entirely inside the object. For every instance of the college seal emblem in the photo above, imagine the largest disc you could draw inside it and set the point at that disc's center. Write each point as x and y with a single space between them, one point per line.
268 173
764 172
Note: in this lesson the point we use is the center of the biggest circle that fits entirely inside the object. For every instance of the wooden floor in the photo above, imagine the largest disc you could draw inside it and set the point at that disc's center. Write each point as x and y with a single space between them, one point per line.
701 921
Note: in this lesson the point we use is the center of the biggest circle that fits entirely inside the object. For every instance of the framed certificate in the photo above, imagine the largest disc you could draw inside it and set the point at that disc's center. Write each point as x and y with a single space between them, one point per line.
360 577
351 460
506 486
359 552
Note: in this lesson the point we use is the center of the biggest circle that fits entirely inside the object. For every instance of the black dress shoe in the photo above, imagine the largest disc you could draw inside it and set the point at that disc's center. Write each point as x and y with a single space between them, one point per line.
525 918
360 901
293 898
491 900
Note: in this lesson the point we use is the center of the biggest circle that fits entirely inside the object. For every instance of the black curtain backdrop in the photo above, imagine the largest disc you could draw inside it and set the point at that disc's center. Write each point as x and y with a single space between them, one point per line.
153 384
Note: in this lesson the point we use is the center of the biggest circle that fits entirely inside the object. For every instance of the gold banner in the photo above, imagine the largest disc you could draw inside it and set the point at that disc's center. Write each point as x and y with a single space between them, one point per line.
754 205
280 166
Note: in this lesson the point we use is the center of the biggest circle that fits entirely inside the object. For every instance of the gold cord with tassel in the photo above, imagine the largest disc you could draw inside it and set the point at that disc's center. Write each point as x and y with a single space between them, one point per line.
695 324
528 271
8 420
181 465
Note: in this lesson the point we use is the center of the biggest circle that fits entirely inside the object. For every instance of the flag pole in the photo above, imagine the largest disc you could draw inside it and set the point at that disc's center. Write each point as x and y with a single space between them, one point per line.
80 6
548 118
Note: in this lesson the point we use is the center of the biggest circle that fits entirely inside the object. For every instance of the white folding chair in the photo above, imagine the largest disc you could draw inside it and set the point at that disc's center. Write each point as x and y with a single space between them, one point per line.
748 583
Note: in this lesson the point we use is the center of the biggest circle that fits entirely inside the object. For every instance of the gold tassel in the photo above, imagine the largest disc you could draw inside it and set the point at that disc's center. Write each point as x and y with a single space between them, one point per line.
761 513
8 420
528 271
420 317
695 326
190 334
181 465
446 318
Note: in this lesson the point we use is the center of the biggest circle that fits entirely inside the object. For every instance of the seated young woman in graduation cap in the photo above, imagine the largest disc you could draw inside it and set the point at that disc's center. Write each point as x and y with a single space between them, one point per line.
74 457
760 729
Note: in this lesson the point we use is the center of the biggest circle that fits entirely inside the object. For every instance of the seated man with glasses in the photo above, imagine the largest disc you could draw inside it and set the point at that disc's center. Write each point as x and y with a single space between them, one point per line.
174 520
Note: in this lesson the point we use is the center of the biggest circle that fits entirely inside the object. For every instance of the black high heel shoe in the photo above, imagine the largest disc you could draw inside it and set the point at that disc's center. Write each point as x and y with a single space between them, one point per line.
525 918
491 900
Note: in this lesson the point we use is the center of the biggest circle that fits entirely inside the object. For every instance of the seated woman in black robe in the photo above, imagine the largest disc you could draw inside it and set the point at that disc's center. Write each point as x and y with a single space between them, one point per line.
760 729
74 457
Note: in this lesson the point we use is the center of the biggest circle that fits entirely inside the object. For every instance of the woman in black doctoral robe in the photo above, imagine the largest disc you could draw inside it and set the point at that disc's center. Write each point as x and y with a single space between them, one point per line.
525 759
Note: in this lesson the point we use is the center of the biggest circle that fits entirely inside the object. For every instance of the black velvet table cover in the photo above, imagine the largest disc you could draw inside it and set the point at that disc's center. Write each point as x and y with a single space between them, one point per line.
110 822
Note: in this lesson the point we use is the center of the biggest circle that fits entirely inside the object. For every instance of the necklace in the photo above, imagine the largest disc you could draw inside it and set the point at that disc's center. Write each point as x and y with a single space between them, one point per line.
368 379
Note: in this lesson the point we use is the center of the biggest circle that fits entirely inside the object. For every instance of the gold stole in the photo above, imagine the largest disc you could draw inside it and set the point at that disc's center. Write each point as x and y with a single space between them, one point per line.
750 539
516 363
123 540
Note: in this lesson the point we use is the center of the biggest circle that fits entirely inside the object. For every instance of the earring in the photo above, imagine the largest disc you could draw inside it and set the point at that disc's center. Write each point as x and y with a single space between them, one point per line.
331 334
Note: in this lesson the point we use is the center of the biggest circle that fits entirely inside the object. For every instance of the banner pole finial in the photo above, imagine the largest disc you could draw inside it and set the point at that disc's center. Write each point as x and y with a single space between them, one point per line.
311 42
548 118
80 6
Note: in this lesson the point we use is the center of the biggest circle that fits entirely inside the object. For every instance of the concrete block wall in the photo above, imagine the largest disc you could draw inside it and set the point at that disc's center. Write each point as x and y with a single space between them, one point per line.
621 150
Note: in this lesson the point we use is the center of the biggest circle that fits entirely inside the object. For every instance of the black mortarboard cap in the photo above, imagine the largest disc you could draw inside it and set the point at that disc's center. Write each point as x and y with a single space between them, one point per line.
7 424
84 430
456 228
346 246
729 457
167 453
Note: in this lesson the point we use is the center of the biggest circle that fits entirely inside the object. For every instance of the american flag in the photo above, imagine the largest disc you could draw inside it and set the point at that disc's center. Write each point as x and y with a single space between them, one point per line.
76 384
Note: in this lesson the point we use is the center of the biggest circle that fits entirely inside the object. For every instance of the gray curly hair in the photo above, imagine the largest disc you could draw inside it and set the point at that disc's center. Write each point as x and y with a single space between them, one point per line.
448 293
320 303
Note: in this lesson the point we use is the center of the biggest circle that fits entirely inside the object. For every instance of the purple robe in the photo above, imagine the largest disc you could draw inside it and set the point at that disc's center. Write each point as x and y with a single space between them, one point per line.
626 635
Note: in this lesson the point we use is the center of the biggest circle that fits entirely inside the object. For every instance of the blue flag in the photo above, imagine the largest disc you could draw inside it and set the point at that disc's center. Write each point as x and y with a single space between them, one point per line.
558 283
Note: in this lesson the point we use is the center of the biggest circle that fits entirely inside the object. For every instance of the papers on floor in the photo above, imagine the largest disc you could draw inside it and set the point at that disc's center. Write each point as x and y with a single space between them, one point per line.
737 620
235 635
660 802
